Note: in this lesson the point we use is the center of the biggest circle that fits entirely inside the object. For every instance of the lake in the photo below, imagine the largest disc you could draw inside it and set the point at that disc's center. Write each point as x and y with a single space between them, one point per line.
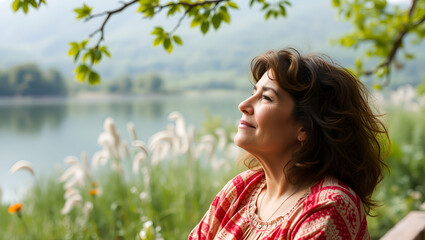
45 131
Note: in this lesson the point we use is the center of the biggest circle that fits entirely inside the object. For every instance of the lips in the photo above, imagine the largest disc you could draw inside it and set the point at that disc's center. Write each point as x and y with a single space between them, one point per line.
244 123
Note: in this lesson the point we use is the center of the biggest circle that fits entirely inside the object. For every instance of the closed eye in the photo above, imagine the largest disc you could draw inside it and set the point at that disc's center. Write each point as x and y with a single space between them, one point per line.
267 98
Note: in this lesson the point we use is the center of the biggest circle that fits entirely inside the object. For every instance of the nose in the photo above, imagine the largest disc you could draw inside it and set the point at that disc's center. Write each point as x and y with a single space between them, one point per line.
246 106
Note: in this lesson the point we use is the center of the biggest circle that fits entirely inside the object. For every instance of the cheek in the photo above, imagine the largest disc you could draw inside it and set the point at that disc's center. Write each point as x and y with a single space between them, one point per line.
279 125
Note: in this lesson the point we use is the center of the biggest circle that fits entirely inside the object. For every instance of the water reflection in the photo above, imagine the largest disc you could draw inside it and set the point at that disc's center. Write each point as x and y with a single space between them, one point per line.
31 119
44 132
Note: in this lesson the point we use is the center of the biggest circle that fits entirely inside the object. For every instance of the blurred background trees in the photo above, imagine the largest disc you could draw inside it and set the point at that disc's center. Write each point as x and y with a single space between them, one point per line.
381 30
29 80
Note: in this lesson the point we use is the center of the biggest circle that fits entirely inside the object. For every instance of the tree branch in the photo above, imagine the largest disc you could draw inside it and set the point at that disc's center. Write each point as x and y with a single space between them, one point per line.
397 43
108 16
160 7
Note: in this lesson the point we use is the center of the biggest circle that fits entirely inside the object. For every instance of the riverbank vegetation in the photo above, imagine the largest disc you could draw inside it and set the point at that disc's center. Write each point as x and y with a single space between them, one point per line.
162 188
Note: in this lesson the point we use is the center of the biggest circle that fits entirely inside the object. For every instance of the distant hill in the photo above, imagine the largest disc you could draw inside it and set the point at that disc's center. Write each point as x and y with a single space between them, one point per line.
220 56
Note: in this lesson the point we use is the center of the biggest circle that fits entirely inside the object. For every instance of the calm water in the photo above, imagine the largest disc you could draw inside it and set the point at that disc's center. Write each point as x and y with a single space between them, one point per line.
45 131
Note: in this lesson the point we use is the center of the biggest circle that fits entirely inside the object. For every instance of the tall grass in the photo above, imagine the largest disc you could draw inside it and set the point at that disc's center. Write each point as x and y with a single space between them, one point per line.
170 181
403 187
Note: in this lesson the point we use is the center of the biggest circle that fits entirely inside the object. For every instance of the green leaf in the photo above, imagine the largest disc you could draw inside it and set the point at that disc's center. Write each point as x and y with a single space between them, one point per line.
85 56
97 56
205 26
196 21
216 20
359 64
409 56
382 71
104 49
206 14
268 14
81 72
173 10
157 31
73 50
94 78
177 40
225 16
33 3
232 5
76 56
282 10
84 43
24 6
16 5
158 40
83 12
168 45
377 87
336 3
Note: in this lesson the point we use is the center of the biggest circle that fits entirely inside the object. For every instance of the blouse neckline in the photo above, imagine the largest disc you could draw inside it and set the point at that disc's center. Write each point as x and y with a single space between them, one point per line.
255 220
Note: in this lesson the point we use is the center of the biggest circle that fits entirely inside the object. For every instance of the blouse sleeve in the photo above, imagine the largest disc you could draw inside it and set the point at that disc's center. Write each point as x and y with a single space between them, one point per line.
328 223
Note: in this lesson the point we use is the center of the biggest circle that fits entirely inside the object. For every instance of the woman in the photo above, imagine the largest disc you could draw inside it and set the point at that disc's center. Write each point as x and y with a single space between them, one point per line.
315 153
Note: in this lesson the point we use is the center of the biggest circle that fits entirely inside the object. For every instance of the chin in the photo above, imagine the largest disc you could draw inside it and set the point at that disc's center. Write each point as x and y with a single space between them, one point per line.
241 142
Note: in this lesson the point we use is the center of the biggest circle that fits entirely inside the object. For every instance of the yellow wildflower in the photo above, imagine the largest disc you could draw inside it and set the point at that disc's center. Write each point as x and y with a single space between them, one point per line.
94 192
15 208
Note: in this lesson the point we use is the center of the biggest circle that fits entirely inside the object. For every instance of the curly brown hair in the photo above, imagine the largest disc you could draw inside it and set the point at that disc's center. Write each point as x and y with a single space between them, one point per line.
345 138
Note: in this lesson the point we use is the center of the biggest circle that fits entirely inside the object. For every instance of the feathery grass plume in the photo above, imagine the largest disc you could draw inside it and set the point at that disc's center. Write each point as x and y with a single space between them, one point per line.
85 160
22 165
109 126
181 134
112 144
206 145
71 202
69 192
107 141
180 123
137 161
149 232
124 147
100 158
160 145
74 175
144 196
141 145
87 208
131 129
222 138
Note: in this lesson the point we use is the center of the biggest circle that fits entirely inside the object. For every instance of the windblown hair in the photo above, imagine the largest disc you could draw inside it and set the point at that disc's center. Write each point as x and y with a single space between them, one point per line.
345 138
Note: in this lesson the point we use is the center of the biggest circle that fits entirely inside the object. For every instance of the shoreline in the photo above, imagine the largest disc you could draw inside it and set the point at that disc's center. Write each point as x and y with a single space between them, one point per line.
101 96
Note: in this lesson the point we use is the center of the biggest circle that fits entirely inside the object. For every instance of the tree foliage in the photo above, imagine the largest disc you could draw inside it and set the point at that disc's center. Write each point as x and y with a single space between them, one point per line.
385 30
29 80
383 27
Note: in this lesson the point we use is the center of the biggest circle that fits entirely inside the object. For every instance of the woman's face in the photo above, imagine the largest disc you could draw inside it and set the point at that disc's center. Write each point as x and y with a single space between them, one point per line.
267 126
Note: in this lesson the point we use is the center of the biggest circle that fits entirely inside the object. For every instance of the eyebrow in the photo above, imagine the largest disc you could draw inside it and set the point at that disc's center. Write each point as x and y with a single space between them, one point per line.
265 88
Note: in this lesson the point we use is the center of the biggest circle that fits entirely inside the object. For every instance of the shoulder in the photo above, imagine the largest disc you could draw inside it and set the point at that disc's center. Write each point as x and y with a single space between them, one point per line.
241 183
332 192
332 209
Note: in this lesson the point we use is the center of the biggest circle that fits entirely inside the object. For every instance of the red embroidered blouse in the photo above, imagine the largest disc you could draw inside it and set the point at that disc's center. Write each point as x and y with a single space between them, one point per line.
329 210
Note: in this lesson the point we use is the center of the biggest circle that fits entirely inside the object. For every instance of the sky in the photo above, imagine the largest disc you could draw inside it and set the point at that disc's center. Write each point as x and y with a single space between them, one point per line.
43 35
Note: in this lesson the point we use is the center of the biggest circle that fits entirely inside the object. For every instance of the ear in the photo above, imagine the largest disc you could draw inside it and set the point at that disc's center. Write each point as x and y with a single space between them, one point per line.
301 134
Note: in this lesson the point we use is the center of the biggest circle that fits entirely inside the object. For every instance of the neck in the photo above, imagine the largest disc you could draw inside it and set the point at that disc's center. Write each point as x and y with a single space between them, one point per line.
276 181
